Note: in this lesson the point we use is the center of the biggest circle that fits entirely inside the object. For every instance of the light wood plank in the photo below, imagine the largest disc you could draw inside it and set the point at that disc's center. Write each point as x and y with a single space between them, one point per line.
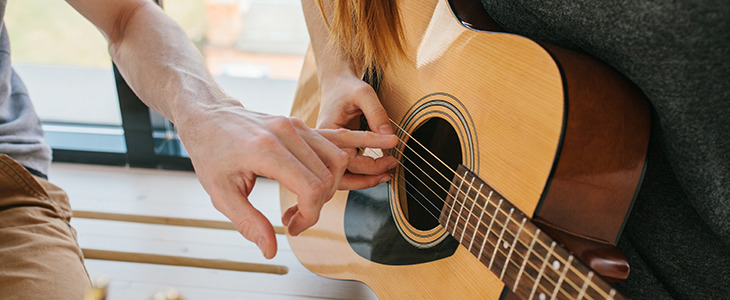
175 194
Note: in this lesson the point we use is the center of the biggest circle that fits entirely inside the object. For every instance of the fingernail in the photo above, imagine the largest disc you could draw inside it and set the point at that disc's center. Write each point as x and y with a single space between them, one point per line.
392 166
384 179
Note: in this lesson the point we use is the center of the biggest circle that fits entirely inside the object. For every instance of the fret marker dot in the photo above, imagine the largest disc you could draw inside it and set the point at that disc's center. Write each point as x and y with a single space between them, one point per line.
556 265
505 245
542 296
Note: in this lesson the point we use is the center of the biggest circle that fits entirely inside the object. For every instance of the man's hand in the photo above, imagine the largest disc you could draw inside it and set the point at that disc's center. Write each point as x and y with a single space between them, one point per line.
230 146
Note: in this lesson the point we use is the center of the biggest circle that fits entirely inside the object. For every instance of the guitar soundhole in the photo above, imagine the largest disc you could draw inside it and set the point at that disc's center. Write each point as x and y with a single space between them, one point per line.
429 166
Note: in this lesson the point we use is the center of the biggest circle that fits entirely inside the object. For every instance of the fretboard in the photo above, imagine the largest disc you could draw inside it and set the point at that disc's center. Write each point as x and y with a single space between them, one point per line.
501 237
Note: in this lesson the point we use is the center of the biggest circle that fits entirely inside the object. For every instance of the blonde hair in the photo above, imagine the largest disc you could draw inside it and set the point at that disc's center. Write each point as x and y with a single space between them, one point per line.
369 31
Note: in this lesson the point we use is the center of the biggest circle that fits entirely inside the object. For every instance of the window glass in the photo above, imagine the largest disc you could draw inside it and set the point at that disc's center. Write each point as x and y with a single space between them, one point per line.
254 48
63 61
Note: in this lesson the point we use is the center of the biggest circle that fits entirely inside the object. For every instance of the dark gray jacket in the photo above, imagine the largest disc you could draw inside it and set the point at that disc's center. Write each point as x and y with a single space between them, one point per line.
678 52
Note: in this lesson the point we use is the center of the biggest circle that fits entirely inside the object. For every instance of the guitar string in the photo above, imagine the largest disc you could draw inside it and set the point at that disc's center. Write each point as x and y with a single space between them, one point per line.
527 275
539 288
469 224
442 175
537 255
571 268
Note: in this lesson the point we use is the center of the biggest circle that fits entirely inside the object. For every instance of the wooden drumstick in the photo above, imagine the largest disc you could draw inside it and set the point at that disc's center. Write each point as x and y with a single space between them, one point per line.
160 220
172 260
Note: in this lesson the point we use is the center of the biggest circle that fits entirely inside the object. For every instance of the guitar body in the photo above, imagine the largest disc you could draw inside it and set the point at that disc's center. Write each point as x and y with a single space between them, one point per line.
560 136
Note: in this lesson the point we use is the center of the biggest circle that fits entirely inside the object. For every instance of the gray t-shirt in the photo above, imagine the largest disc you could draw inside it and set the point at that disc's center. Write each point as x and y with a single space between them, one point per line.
21 135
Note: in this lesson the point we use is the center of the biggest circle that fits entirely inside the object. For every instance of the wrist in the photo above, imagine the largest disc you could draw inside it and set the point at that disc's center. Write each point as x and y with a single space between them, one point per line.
336 70
202 110
334 78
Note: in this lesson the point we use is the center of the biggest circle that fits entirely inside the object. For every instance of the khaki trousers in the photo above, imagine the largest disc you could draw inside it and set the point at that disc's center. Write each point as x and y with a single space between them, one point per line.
39 255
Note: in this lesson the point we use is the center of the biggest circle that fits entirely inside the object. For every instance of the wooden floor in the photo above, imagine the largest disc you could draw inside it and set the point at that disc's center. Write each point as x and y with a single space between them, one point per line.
178 194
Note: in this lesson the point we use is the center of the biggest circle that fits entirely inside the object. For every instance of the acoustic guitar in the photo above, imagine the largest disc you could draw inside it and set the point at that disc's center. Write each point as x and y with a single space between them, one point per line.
519 163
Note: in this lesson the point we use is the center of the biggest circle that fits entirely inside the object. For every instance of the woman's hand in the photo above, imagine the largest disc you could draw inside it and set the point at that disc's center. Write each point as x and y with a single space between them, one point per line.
345 98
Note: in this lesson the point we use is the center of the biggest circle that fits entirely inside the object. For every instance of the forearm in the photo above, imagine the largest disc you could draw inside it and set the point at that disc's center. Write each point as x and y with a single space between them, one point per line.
156 58
163 67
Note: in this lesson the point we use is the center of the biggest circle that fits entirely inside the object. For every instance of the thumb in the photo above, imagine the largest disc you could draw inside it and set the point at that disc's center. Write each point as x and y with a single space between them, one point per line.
253 225
375 114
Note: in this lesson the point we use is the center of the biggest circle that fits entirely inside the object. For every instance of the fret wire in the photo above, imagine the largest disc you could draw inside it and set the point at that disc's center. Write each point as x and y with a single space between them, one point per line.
406 182
526 274
459 188
432 204
535 240
537 255
600 290
466 196
548 279
489 230
455 199
456 175
501 234
468 224
451 212
542 269
515 264
562 277
476 229
524 260
585 286
421 157
496 246
512 249
471 210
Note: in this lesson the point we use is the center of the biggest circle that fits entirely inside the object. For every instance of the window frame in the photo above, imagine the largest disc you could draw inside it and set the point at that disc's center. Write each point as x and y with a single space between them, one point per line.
146 139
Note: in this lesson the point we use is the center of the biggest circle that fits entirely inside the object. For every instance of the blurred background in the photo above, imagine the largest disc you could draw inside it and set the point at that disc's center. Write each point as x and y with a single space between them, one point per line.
254 48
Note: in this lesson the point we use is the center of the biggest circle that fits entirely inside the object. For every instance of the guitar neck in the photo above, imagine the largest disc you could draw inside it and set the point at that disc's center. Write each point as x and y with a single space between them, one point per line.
500 236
